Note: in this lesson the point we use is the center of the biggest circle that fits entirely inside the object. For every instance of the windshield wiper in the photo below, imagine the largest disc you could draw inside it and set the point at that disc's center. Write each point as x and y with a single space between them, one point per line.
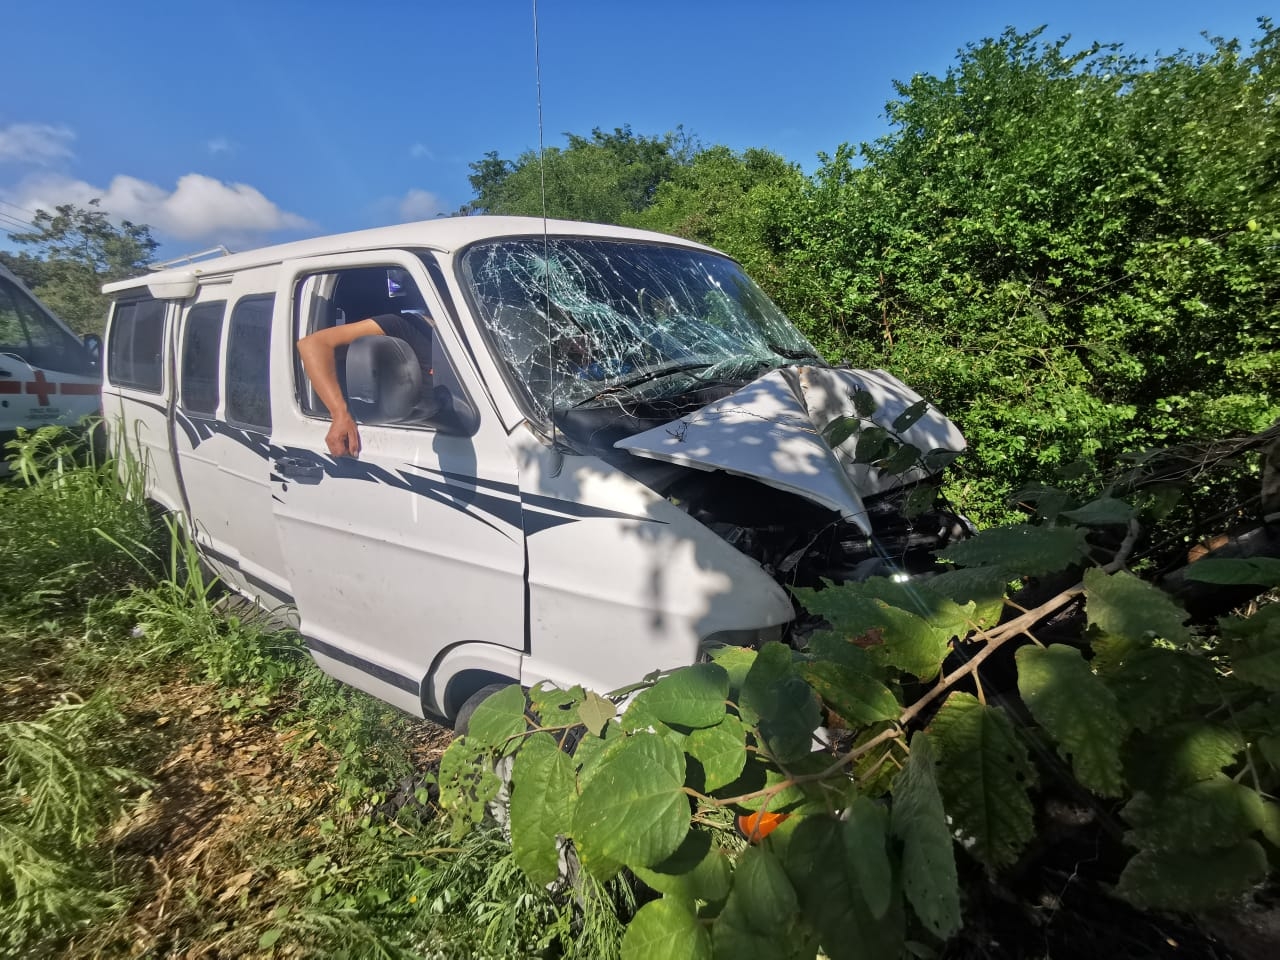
795 354
644 376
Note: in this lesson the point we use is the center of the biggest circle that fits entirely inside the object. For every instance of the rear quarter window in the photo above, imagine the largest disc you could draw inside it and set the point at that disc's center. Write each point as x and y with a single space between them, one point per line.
135 345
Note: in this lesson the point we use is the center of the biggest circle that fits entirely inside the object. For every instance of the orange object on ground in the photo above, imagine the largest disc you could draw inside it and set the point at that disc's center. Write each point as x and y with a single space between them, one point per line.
756 826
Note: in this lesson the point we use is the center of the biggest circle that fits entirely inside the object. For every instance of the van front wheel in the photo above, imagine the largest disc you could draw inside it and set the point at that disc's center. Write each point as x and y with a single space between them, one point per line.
462 721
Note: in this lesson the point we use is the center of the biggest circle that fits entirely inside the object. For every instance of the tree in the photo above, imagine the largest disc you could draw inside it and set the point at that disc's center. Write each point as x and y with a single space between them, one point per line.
604 178
731 201
1071 252
78 249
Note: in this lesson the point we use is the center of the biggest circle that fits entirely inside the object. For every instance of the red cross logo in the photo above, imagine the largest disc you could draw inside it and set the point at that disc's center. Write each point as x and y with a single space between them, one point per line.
42 388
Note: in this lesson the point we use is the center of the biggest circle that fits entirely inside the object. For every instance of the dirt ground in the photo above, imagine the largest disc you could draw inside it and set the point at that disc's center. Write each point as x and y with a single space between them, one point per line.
223 790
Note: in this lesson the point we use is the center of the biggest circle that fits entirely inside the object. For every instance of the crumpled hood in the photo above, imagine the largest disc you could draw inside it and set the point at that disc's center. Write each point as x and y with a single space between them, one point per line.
772 430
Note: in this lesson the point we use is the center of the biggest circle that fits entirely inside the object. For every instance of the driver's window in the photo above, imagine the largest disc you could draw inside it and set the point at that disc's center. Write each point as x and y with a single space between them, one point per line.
389 296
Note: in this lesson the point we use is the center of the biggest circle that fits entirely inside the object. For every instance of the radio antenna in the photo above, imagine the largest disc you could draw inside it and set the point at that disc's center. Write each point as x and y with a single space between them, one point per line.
546 243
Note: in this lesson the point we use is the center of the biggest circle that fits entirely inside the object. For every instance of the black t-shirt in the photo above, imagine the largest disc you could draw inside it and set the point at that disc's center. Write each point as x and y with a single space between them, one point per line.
414 331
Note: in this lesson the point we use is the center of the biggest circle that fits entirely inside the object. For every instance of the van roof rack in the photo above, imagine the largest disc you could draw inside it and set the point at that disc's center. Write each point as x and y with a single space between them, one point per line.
218 251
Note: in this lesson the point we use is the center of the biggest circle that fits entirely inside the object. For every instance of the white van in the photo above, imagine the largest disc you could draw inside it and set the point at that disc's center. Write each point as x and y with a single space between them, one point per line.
614 457
47 375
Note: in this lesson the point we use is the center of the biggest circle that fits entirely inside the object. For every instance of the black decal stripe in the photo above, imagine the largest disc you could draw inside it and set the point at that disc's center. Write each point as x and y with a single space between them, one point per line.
389 677
579 510
496 485
249 578
506 510
536 522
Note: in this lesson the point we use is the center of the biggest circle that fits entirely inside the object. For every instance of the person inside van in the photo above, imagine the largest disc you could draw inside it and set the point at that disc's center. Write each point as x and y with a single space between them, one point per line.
318 352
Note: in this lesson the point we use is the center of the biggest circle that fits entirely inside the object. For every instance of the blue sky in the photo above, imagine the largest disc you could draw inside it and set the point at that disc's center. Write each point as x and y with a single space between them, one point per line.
252 122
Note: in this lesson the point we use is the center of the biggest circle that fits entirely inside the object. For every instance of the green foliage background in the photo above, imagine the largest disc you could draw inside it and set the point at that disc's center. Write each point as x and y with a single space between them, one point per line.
1072 252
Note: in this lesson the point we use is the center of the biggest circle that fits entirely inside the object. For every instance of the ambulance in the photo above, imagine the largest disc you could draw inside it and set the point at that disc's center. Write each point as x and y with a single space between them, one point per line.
47 374
590 453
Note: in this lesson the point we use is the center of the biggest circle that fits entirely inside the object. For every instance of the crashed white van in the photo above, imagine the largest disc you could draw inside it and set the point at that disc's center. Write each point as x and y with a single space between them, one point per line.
47 375
615 458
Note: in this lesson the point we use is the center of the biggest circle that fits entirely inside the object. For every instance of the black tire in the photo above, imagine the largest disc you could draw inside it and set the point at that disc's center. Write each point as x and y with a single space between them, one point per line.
462 720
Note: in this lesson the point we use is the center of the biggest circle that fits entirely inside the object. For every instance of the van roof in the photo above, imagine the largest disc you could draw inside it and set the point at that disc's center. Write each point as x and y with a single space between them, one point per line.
445 234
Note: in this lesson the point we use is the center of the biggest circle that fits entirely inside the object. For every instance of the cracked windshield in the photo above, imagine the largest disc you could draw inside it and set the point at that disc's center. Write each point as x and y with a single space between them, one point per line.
577 320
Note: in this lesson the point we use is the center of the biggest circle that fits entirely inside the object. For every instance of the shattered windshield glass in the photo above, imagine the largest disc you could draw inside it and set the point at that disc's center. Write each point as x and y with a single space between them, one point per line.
577 318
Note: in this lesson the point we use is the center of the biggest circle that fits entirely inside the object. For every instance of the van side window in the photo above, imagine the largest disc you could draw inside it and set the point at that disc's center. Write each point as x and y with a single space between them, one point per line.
201 351
248 389
362 293
134 345
28 332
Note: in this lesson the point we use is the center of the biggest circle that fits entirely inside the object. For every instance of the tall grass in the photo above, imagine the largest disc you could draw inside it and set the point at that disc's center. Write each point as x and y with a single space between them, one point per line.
58 791
119 600
72 527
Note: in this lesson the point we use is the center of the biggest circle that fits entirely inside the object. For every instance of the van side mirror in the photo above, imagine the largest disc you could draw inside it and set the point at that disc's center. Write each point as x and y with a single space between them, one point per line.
93 345
384 380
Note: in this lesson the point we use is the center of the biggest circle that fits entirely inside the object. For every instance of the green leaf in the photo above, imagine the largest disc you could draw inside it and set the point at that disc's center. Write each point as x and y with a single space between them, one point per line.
592 751
1263 571
1177 754
698 870
269 938
467 783
720 750
690 697
1253 646
983 587
908 417
866 855
841 429
543 792
920 498
499 717
928 861
1021 550
1156 684
1269 745
634 810
1212 813
552 705
1077 710
761 898
984 774
829 645
871 613
828 899
873 444
864 404
737 663
1121 605
1179 880
786 706
595 711
758 774
666 929
902 460
1104 512
858 698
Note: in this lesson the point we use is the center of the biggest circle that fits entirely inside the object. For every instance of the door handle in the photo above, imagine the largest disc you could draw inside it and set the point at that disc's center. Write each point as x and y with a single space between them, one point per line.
296 468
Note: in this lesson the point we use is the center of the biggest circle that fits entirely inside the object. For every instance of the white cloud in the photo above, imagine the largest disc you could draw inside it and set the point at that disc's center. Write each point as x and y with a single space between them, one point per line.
198 208
420 151
419 205
36 143
219 145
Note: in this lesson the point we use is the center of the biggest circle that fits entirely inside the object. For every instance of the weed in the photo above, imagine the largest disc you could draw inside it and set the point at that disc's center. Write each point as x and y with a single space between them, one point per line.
58 792
71 529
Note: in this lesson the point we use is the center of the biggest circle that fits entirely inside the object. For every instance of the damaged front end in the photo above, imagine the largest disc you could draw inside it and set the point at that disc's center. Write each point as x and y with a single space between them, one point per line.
670 364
